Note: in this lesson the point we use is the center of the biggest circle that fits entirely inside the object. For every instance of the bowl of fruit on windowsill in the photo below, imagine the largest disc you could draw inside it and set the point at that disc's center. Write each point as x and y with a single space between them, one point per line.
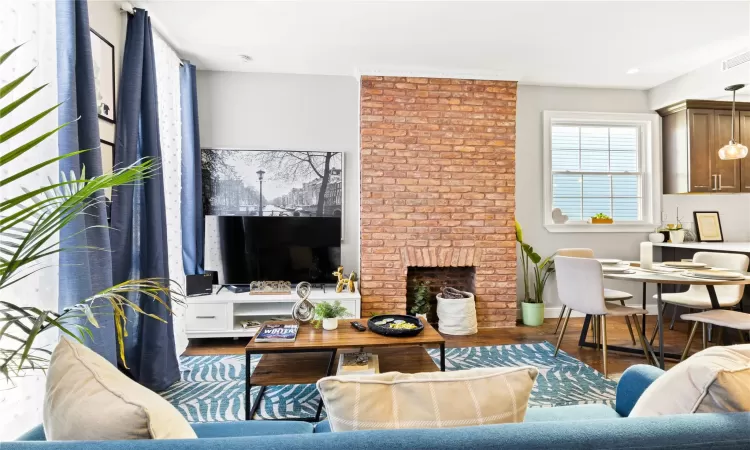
601 219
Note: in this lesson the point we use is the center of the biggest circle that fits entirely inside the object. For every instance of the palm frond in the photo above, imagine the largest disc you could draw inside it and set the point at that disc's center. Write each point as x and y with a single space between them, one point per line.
7 54
4 111
30 226
8 88
117 297
6 135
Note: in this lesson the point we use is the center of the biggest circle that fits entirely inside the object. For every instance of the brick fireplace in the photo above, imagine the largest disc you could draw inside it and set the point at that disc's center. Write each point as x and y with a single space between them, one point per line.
438 186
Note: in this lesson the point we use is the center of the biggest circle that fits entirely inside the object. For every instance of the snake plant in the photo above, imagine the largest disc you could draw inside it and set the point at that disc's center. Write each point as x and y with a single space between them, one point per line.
30 225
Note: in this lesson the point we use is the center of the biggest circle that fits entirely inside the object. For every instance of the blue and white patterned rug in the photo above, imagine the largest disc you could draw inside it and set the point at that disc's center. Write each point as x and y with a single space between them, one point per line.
212 387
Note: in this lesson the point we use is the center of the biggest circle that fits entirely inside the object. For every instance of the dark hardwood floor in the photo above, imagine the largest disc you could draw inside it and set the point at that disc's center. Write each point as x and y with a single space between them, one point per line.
617 331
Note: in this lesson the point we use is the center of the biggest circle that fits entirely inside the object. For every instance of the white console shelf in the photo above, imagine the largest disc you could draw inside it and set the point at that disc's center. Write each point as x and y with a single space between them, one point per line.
220 314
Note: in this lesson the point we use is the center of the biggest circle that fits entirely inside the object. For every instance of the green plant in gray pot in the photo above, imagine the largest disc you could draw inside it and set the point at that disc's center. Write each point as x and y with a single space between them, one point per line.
536 271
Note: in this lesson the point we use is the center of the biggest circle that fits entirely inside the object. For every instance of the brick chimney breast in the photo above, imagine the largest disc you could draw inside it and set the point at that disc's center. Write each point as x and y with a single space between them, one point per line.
438 188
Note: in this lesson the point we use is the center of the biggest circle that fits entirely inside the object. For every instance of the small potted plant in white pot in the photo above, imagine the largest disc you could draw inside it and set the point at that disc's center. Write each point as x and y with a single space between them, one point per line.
328 314
532 307
676 233
421 300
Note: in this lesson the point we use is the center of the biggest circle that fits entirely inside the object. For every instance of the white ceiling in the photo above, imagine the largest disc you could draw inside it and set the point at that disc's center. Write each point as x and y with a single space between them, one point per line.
589 44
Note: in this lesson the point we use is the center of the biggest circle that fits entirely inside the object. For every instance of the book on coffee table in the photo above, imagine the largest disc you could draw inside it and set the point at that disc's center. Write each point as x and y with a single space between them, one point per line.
275 332
358 363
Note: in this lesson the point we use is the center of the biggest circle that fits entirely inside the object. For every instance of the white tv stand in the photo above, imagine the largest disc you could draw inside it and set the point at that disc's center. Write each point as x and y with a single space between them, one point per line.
219 314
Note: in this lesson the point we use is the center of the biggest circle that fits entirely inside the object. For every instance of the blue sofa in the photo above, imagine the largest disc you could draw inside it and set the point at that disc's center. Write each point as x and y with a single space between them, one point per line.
579 427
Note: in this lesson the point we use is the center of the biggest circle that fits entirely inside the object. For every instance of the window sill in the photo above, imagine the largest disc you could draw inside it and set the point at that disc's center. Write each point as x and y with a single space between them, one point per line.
599 228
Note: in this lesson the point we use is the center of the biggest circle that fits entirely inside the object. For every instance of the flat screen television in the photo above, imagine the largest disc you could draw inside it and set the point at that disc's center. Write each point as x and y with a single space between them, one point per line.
279 248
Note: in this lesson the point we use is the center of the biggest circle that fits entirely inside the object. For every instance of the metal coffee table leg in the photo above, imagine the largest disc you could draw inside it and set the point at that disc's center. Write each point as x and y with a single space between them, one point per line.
247 385
328 373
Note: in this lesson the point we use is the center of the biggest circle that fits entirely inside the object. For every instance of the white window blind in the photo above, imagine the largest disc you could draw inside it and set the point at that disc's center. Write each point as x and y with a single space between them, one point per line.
597 169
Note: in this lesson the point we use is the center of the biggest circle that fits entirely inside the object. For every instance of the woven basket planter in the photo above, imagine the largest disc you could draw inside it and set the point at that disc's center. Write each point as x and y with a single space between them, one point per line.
457 316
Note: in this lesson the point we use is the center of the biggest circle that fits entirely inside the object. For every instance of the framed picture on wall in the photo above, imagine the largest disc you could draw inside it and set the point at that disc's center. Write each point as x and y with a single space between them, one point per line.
103 55
708 226
282 183
108 162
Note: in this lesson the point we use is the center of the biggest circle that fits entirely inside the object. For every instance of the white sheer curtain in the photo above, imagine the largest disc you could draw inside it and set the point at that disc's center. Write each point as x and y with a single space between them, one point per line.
170 135
32 22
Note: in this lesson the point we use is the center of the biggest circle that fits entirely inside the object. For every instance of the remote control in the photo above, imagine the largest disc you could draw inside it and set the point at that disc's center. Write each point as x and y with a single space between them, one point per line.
358 326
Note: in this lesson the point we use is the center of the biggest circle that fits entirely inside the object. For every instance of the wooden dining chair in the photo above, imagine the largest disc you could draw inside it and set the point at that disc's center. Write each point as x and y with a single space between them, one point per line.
696 297
610 295
580 285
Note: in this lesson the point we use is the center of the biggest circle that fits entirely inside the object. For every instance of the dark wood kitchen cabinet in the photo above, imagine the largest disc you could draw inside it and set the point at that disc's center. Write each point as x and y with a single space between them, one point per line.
693 131
745 165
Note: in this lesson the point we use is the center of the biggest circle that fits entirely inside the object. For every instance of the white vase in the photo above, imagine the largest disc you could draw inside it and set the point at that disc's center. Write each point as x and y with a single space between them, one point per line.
677 236
330 324
656 238
647 255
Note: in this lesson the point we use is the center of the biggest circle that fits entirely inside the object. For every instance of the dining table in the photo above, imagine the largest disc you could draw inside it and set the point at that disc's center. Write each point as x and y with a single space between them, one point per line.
659 275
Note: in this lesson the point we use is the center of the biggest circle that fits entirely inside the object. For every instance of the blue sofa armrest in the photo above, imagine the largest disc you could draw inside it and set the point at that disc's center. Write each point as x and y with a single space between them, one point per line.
633 382
242 428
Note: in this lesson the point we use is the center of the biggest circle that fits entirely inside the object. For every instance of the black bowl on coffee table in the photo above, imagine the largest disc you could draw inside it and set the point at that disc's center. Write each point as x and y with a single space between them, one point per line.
381 325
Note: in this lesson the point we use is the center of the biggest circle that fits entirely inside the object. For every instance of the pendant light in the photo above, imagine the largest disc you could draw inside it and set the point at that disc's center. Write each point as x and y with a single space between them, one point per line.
733 150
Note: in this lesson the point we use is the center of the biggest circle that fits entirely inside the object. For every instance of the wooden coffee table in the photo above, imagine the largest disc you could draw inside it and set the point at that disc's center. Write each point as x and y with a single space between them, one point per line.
314 355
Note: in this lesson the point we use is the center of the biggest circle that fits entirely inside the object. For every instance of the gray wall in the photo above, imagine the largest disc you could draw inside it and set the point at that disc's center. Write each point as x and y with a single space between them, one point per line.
706 83
532 101
291 112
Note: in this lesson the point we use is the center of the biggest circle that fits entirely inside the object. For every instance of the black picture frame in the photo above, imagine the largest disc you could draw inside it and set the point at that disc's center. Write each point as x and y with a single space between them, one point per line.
108 161
288 183
111 76
698 234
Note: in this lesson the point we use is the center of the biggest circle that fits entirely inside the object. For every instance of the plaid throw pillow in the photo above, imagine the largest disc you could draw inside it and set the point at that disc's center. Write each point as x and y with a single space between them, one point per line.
427 400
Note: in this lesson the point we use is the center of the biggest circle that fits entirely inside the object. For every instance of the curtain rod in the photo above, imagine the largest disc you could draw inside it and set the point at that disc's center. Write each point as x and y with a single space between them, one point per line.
128 8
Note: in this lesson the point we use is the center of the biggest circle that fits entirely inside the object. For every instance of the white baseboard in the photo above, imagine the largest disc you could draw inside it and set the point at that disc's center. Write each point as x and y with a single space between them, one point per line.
554 311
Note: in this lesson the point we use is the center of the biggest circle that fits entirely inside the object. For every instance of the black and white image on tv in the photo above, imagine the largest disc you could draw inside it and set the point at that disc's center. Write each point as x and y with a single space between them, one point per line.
271 183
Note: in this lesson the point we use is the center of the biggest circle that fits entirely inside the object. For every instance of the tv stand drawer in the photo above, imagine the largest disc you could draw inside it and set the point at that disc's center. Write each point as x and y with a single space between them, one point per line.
207 317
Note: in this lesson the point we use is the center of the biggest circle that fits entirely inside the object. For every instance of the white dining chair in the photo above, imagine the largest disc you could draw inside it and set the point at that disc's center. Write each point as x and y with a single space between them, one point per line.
580 285
610 295
696 297
724 318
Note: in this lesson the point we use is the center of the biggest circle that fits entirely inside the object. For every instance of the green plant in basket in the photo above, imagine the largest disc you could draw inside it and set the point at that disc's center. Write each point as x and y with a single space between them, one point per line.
601 216
421 294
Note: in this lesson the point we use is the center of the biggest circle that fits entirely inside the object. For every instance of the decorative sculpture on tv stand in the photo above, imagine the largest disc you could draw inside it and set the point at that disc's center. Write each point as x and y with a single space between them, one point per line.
304 310
343 282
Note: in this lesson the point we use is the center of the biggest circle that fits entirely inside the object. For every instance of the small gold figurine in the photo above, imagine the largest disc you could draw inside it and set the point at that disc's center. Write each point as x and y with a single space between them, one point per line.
344 282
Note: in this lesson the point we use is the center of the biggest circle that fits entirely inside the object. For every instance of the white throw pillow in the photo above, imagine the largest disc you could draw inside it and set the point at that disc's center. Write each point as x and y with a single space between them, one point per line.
427 400
713 380
87 398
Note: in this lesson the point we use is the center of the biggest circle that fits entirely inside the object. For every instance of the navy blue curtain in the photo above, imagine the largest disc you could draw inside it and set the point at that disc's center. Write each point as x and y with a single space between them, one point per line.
192 184
139 229
82 272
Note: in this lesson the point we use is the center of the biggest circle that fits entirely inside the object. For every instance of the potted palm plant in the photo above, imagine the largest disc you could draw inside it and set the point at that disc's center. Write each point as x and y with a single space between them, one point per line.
29 232
536 271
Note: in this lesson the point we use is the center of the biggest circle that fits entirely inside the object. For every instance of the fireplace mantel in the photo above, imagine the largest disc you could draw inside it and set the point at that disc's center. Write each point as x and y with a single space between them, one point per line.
440 256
